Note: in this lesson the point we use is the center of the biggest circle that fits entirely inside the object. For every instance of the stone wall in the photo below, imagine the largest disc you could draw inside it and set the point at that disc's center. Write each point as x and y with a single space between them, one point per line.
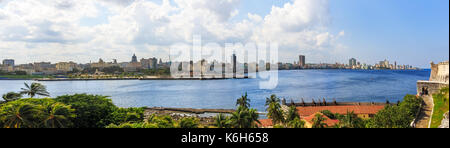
439 78
429 87
440 72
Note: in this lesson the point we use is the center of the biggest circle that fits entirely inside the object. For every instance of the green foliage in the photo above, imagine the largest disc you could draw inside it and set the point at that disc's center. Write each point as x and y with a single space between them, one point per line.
399 116
161 121
331 115
441 106
123 115
35 89
189 123
244 101
36 113
319 121
274 111
11 96
58 116
21 115
93 111
350 120
244 118
296 123
221 121
292 113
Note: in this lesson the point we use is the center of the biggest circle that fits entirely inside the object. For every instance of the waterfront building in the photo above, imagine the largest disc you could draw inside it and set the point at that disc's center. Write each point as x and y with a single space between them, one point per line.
134 59
151 63
8 62
66 66
102 64
302 61
352 62
234 61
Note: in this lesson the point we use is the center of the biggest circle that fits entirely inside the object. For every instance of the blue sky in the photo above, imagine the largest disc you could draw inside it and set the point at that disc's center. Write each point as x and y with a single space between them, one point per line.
407 31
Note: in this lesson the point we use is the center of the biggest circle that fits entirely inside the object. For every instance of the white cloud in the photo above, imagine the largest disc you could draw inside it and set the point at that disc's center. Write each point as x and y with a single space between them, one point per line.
53 26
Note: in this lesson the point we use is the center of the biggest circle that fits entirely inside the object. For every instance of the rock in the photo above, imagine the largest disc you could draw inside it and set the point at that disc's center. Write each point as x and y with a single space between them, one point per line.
445 121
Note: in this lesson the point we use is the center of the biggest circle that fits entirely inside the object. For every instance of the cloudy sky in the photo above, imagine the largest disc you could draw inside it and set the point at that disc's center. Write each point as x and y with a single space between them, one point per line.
407 31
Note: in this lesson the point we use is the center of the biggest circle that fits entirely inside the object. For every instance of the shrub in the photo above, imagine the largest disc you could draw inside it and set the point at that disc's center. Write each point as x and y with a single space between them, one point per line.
189 123
93 111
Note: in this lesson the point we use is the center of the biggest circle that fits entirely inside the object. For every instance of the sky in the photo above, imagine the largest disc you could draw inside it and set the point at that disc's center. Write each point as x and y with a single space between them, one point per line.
411 32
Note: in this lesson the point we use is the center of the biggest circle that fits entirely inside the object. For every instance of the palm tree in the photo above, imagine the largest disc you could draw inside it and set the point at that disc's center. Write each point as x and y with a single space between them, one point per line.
239 119
11 96
253 117
274 111
20 115
221 121
35 89
244 118
296 123
244 101
319 121
292 113
350 120
59 116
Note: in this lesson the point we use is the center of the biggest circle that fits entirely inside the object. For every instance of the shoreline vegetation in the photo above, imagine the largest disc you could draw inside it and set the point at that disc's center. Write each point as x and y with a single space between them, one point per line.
441 106
95 111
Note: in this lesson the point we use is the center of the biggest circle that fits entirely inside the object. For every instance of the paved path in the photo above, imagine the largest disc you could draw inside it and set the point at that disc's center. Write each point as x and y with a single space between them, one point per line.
425 113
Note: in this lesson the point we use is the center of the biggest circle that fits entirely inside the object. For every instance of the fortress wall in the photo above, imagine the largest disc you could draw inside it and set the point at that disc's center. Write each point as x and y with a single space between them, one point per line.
440 72
428 88
439 78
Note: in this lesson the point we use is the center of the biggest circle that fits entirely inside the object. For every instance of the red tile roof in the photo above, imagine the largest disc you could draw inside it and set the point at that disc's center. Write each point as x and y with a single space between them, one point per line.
357 109
328 121
265 123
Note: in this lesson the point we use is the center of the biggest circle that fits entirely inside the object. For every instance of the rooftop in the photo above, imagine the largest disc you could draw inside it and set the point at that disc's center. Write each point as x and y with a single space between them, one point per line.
357 109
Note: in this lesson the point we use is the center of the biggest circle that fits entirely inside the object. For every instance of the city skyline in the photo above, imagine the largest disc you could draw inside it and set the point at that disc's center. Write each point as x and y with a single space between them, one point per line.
325 31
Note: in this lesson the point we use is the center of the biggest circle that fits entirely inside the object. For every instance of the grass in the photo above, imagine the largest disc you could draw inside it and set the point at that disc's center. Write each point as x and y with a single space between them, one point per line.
441 106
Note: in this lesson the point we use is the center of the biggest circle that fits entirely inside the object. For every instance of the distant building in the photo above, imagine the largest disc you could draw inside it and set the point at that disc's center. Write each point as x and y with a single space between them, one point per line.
352 62
151 63
134 59
66 66
8 62
234 61
302 61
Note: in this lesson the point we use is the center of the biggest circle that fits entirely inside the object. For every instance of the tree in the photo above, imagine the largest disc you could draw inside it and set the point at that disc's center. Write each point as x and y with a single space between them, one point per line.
93 111
20 115
189 123
274 111
292 113
221 121
319 121
11 96
59 116
244 101
397 116
35 89
244 118
351 120
296 123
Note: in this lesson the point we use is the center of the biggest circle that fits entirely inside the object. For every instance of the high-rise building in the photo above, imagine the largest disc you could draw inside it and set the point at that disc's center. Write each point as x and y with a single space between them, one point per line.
8 62
302 61
134 59
352 62
234 60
